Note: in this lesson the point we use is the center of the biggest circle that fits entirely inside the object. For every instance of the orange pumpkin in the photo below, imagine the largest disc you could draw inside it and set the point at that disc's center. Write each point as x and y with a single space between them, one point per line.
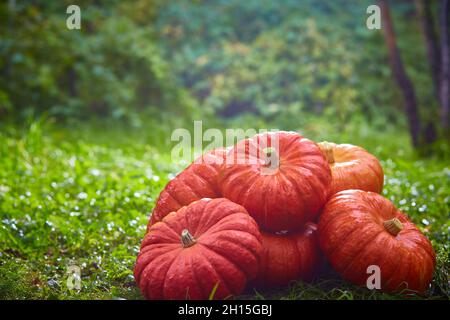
288 257
352 167
281 178
197 181
359 229
209 248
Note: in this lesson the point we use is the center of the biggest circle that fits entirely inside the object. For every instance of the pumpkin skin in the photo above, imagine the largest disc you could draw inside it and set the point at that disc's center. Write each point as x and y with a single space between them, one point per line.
352 167
282 198
225 252
197 181
289 257
358 229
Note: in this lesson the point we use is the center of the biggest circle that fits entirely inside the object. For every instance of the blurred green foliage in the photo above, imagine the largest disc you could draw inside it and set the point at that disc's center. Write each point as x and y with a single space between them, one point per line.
280 61
285 60
111 67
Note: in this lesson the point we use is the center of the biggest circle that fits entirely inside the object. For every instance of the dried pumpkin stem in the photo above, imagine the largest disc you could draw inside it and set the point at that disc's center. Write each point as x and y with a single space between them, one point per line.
327 150
271 157
187 239
393 226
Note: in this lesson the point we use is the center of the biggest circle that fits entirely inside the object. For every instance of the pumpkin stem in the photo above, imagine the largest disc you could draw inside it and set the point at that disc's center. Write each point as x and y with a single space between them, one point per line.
271 157
393 226
327 150
187 239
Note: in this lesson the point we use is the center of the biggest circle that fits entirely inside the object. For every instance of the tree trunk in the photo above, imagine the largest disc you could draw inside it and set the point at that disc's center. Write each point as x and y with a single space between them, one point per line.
445 62
423 8
400 75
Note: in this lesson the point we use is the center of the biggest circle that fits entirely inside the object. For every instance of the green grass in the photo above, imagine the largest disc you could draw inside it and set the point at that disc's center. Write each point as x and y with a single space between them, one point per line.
81 194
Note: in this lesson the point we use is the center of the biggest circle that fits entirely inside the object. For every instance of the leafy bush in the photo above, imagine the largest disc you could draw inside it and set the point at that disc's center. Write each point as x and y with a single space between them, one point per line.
284 60
112 66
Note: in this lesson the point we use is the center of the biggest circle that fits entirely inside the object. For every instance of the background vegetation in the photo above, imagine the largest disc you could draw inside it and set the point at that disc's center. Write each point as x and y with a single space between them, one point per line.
86 117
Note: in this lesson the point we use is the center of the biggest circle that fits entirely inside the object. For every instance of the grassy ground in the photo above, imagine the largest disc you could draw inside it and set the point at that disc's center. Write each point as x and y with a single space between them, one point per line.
81 195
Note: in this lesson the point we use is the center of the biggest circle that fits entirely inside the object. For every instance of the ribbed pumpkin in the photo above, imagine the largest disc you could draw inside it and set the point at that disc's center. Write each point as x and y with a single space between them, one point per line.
209 246
358 229
352 167
281 178
197 181
287 257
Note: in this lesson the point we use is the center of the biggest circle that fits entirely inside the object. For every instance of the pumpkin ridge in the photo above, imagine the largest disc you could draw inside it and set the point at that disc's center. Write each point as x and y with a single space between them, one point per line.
212 186
344 238
166 226
191 188
399 261
288 146
325 220
219 276
319 179
241 244
425 244
191 225
169 265
194 273
143 255
265 198
377 259
235 266
185 223
207 216
165 283
248 187
210 212
247 172
169 193
155 246
204 222
362 251
232 174
226 257
293 183
429 248
385 257
400 264
300 251
159 204
414 255
310 188
221 222
335 201
380 179
310 165
302 156
205 225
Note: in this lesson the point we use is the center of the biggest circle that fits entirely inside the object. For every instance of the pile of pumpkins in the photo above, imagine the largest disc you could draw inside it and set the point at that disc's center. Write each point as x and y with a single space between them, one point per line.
236 218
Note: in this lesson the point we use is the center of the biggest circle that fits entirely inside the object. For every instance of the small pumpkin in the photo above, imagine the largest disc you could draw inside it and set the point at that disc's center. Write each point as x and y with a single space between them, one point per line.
352 167
209 248
288 257
358 229
197 181
281 178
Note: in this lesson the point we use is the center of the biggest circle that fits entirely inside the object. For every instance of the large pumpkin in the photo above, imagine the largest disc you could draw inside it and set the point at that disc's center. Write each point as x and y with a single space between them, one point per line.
209 246
197 181
352 167
288 257
281 178
358 229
